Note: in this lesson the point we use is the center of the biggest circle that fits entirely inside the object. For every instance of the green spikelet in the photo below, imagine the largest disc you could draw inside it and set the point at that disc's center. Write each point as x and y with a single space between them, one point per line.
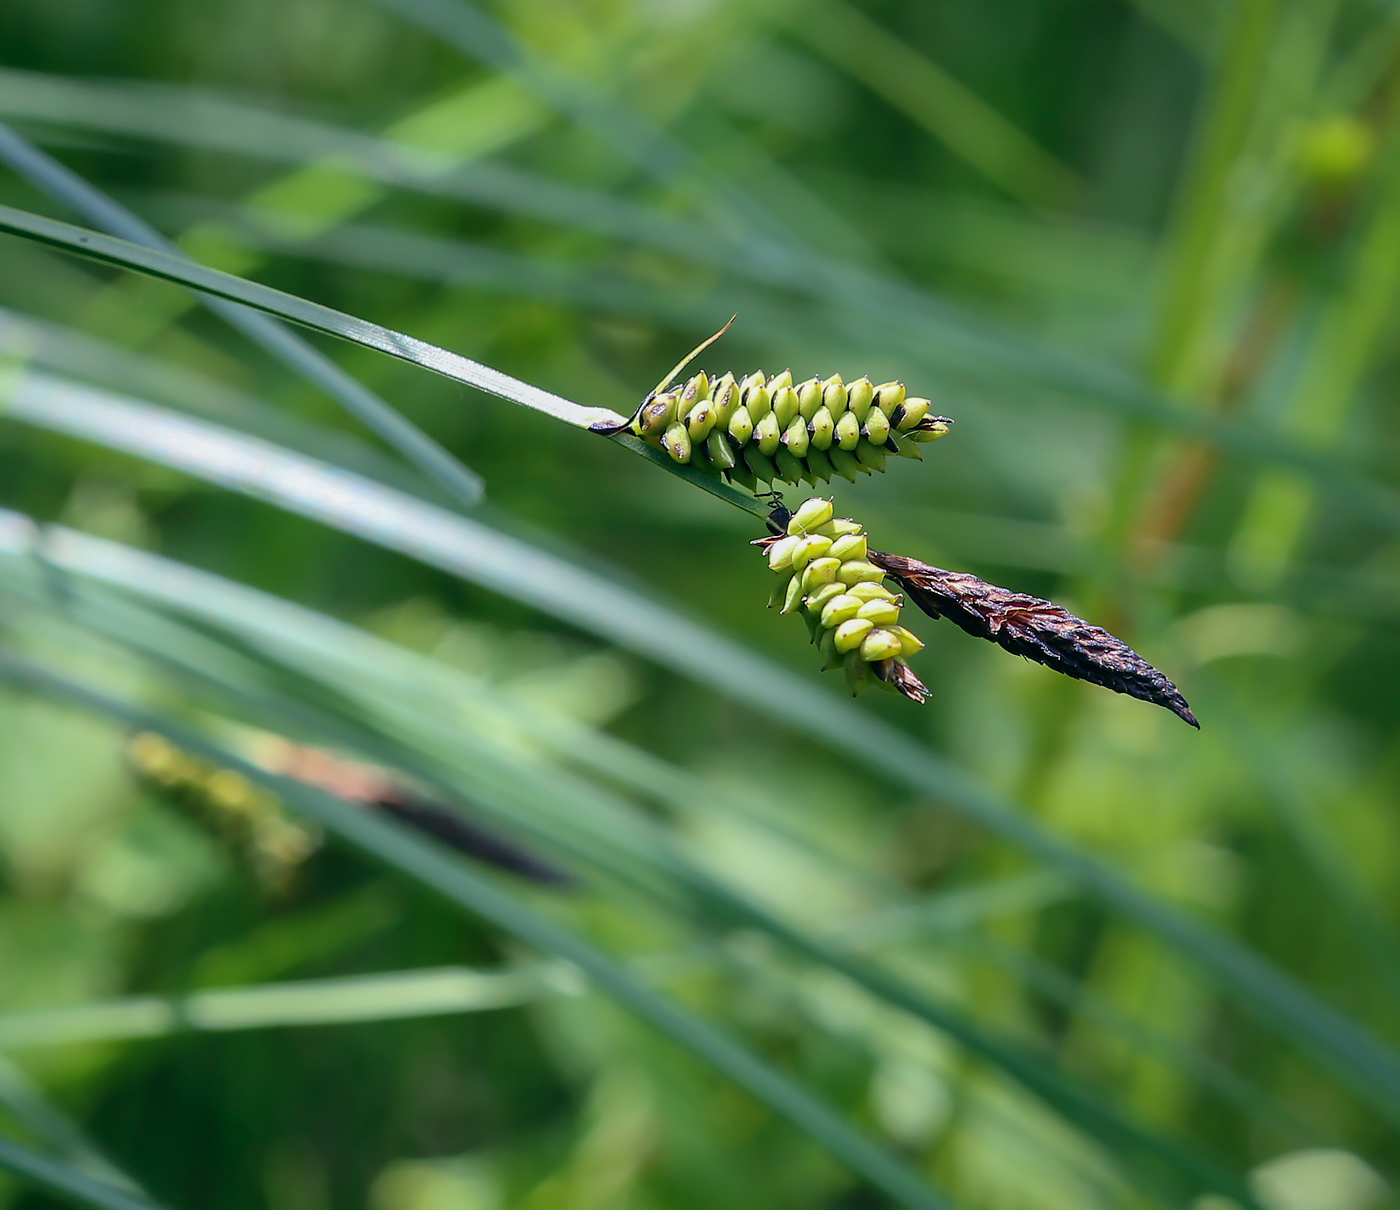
758 429
823 568
222 802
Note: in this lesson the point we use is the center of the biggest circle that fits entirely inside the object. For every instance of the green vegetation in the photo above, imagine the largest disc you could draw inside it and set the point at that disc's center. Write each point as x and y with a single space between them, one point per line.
406 801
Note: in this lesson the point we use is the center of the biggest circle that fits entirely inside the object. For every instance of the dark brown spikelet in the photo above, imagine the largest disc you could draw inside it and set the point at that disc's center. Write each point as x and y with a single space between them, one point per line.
372 788
1039 630
457 832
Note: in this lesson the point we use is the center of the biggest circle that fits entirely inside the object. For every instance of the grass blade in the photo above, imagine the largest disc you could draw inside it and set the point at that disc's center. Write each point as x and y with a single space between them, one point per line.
416 446
466 548
646 845
1380 504
395 847
167 267
946 108
66 1182
380 997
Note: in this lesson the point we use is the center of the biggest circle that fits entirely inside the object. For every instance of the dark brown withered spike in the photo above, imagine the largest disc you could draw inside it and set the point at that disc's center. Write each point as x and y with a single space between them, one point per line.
1038 630
470 838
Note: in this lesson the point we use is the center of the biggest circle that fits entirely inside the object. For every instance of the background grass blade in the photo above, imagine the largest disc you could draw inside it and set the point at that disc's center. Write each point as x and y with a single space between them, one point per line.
415 445
66 1182
492 559
390 844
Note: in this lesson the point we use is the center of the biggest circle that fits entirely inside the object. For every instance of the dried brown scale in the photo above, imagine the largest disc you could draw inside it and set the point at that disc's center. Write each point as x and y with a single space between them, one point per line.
1038 630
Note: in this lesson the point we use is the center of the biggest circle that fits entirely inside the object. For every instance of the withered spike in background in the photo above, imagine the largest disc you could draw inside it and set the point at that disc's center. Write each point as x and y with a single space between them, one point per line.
1038 630
472 839
370 787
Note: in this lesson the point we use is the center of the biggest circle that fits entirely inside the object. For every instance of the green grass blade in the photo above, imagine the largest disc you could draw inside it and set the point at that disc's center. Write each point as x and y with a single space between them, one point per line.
169 267
570 805
424 863
155 263
1057 372
26 1102
66 1182
184 117
466 548
946 108
336 1001
416 446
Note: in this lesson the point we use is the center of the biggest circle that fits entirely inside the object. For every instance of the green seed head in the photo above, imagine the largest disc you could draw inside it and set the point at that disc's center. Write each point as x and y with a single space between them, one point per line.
696 389
717 447
758 401
790 469
849 546
780 553
741 426
809 398
779 381
848 431
785 405
870 590
858 571
881 613
818 600
890 395
911 411
818 572
858 395
877 427
767 433
701 420
841 608
823 565
909 643
755 379
822 428
809 547
796 437
851 634
676 442
810 515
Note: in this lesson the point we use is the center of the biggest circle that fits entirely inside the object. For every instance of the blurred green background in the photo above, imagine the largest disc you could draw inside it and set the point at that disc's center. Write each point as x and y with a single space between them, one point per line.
1045 945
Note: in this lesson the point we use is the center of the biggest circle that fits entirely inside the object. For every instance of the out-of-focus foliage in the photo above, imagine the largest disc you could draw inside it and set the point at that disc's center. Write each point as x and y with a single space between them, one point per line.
1047 945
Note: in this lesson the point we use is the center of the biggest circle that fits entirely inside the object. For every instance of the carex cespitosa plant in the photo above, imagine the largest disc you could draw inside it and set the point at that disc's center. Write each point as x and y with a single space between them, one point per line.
770 430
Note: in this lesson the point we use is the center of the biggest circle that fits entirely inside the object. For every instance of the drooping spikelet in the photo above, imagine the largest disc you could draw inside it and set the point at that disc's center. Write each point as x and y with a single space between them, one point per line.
823 568
764 430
